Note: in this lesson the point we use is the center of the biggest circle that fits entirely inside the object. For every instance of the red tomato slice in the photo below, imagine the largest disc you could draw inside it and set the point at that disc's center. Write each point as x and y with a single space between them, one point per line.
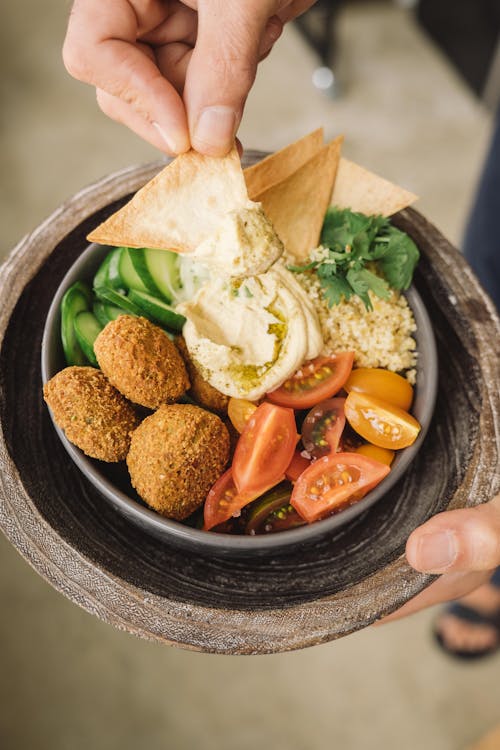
224 500
265 449
333 482
297 465
323 426
316 380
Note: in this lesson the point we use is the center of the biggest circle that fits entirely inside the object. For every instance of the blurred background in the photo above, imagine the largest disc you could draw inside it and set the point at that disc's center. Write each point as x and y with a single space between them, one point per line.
413 86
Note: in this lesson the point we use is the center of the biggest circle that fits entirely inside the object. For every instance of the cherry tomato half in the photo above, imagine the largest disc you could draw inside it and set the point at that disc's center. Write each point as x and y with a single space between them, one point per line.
297 465
379 422
239 411
273 512
334 482
315 381
224 500
384 455
265 449
382 384
323 426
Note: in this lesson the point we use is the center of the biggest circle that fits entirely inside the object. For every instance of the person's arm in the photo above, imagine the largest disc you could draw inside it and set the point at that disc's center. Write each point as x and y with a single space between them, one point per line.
176 73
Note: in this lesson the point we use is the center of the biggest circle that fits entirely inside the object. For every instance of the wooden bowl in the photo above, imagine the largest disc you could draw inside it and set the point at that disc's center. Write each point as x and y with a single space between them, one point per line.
111 567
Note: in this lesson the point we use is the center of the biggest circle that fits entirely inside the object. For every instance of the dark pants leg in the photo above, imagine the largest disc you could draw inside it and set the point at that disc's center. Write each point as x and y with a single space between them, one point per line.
482 238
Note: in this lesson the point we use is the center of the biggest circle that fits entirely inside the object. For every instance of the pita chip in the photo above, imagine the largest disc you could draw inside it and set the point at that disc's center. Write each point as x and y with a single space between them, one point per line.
180 206
297 206
280 165
360 190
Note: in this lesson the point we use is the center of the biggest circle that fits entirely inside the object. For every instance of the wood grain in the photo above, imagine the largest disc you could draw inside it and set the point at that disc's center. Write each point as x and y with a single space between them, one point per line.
107 565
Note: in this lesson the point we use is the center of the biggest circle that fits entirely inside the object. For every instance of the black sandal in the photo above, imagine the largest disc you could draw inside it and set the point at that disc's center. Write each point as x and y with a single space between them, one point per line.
467 614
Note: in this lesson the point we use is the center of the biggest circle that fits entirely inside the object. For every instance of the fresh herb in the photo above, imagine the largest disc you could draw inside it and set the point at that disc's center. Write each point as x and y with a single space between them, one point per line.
362 254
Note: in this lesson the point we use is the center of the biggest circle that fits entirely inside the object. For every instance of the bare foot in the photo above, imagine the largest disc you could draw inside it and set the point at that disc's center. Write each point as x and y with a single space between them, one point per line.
460 635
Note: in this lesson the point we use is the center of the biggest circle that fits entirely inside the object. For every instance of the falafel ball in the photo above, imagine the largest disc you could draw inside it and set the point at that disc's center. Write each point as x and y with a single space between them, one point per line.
139 359
175 457
201 391
93 414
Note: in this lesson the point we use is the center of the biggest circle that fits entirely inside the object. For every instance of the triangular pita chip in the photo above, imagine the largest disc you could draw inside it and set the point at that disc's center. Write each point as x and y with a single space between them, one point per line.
280 165
297 205
180 206
360 190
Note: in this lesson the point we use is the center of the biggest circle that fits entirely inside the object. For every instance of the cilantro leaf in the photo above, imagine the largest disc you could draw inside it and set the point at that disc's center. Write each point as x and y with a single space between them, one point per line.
354 240
399 260
335 288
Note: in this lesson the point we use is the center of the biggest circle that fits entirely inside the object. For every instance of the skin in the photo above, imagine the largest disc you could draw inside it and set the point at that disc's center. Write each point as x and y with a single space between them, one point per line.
157 66
471 537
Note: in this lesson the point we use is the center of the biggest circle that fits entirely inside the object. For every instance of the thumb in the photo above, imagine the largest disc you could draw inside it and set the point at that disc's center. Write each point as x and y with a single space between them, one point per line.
458 540
222 70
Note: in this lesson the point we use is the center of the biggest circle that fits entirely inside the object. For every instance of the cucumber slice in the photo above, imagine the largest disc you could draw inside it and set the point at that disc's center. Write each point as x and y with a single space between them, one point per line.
108 273
157 310
128 273
163 267
138 258
106 313
87 329
116 299
114 278
76 300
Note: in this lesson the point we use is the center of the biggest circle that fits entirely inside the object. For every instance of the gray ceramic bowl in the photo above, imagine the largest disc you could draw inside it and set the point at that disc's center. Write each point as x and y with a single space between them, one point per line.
112 480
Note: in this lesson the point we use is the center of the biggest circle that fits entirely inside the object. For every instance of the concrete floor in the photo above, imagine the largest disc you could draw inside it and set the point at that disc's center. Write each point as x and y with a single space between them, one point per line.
70 682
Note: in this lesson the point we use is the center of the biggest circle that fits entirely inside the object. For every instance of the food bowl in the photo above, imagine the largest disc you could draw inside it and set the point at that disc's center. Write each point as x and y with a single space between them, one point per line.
113 482
200 597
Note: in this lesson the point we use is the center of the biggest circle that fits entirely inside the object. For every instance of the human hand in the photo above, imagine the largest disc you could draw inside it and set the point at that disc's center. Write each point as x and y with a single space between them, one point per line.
176 73
461 545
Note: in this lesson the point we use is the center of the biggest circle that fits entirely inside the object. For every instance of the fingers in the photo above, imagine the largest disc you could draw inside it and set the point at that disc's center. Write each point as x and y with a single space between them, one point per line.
123 113
222 68
445 588
100 48
458 540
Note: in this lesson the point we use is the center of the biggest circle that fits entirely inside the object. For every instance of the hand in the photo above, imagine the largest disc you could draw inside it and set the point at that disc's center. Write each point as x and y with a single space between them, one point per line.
461 545
176 73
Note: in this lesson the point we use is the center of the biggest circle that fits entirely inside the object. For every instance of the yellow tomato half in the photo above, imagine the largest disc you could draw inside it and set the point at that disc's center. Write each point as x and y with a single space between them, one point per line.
384 455
239 411
382 384
379 422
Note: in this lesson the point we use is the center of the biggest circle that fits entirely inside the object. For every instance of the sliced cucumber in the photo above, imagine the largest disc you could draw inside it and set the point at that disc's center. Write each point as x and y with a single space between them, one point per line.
128 273
87 329
157 310
76 300
163 267
106 313
114 277
116 299
108 273
138 257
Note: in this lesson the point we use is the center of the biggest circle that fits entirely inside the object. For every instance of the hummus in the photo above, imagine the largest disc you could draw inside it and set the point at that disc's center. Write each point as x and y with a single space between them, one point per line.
244 244
247 336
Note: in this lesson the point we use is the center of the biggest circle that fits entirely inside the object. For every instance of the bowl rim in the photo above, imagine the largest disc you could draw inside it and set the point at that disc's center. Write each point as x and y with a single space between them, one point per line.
189 537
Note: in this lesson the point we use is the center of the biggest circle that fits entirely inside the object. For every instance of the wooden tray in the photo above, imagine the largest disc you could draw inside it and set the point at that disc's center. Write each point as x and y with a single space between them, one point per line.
104 563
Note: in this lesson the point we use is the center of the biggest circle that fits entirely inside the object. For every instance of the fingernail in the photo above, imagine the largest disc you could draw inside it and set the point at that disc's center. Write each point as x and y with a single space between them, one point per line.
174 145
216 127
436 552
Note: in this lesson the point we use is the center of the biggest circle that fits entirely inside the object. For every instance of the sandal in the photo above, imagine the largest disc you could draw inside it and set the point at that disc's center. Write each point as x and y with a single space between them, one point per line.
467 614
